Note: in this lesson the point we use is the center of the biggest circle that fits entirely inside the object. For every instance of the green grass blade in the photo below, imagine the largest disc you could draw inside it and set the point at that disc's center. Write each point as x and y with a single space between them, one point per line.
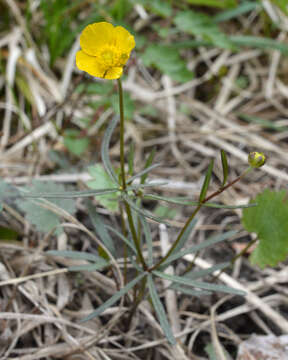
159 309
212 241
225 167
114 298
105 149
198 284
206 181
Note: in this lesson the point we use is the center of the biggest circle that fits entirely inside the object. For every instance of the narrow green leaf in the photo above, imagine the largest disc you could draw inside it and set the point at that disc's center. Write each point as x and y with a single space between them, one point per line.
144 212
206 181
147 164
148 238
99 228
212 241
143 172
187 201
225 167
185 236
198 284
259 42
242 9
189 291
70 194
91 267
159 309
197 274
79 255
105 149
114 298
122 237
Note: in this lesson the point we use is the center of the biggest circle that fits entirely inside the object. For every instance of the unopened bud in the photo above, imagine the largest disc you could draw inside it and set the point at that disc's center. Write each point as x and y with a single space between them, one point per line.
256 159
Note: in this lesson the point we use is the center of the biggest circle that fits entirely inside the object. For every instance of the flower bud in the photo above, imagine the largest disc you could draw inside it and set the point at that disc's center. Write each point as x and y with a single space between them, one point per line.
256 159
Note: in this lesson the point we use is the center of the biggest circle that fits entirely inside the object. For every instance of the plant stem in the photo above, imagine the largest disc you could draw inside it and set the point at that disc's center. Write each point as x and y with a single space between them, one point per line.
123 178
219 191
122 155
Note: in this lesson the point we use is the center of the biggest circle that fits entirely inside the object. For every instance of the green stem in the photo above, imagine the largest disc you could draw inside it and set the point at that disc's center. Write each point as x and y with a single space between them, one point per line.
123 178
219 191
122 154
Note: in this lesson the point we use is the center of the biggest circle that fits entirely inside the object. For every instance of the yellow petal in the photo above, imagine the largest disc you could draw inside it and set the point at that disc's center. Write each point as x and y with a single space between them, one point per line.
124 41
95 36
89 64
114 73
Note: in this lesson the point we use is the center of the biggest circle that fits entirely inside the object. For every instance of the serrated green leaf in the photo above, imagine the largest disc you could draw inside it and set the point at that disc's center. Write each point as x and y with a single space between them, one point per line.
102 180
44 219
269 221
166 59
159 309
99 228
105 150
225 167
198 284
114 298
199 24
206 182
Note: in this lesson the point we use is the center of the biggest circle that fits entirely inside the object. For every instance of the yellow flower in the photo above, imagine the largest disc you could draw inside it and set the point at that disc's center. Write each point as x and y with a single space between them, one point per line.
105 50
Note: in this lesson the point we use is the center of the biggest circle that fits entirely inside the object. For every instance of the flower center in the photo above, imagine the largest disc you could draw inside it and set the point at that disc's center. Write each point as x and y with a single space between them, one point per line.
108 56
